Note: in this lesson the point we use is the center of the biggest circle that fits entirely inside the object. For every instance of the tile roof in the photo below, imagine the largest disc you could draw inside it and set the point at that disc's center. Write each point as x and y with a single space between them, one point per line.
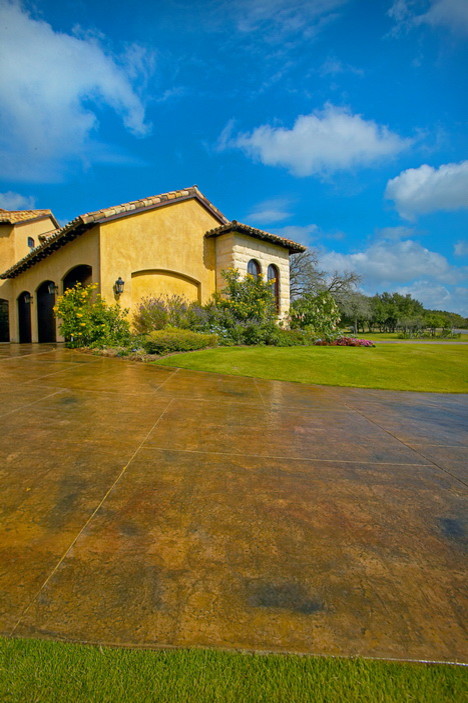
235 226
12 217
84 222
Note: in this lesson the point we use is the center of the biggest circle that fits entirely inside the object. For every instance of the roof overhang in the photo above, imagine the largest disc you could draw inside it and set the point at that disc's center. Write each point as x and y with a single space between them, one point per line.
81 224
238 227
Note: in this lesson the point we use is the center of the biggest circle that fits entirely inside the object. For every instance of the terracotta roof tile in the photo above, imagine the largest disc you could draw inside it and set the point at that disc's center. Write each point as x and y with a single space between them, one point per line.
12 217
235 226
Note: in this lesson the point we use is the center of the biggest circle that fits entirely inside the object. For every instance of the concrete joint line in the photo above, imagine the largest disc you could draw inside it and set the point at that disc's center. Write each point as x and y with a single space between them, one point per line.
408 446
95 511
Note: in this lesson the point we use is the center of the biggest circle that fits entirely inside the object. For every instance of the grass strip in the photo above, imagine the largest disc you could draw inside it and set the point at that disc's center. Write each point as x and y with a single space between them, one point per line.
401 367
40 671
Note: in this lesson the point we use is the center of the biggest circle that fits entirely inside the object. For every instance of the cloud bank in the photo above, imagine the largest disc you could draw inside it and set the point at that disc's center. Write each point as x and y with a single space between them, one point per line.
53 85
418 191
321 143
405 266
16 201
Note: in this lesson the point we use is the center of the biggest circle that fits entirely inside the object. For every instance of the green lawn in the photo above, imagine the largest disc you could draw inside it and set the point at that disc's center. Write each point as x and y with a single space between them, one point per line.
373 335
403 367
38 671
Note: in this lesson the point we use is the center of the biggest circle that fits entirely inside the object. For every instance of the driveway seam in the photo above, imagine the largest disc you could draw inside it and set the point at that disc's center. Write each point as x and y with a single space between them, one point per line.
34 402
408 446
90 518
282 456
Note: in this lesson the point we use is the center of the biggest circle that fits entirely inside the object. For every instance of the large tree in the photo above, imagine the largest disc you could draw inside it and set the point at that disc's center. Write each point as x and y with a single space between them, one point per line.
307 278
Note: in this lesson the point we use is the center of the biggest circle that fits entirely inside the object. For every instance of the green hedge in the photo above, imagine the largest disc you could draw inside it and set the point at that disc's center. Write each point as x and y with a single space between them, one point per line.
174 340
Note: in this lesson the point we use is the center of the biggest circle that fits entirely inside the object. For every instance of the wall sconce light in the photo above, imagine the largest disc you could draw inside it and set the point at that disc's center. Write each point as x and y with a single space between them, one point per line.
119 286
52 288
28 299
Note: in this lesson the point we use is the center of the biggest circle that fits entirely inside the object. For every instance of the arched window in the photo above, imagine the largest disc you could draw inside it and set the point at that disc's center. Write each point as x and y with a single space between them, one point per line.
273 275
253 268
31 243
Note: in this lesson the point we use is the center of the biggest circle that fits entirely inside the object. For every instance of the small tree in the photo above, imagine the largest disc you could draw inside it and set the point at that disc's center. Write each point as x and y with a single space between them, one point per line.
249 298
86 320
318 314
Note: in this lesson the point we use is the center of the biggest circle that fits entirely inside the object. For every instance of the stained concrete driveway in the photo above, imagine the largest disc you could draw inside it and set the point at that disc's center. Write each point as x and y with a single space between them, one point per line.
157 507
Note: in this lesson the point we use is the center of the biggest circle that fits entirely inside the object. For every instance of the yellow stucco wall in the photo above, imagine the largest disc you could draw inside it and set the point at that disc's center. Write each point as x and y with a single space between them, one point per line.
29 229
83 250
161 251
7 247
156 252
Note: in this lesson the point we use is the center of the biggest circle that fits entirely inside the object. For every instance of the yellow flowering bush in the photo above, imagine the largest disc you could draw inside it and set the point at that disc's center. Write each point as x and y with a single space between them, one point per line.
86 320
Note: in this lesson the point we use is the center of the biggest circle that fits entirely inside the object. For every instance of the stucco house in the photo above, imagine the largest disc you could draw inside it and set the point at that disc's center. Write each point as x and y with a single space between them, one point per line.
174 243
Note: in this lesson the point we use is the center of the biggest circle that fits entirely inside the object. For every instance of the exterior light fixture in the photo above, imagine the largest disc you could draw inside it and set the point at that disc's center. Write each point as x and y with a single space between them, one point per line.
52 288
28 299
119 286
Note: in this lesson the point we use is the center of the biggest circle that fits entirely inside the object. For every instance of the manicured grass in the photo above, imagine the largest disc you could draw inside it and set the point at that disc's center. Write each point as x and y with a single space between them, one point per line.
403 367
373 335
382 336
34 671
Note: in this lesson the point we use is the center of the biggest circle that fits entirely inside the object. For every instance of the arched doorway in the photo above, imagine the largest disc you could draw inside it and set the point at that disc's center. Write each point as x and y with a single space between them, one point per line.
79 274
45 296
24 317
4 321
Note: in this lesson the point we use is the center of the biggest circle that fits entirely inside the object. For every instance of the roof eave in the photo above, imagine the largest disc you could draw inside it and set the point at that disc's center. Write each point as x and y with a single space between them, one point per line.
292 247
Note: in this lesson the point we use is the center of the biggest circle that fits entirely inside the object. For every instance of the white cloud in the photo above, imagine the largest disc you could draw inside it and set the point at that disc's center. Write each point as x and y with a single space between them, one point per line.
52 85
16 201
386 262
448 13
268 216
333 66
321 143
444 13
427 189
394 233
272 19
304 234
404 266
461 248
269 211
437 297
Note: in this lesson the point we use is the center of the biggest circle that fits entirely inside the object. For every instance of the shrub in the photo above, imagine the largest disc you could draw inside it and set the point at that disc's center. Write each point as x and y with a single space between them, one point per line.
247 299
174 340
163 311
86 320
317 313
351 342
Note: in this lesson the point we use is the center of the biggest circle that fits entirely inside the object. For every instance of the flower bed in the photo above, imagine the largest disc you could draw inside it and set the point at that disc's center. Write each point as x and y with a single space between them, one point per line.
346 342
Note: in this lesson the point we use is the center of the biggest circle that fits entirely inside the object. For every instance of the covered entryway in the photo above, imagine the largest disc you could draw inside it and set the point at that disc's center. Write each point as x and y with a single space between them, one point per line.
79 274
45 296
24 317
4 321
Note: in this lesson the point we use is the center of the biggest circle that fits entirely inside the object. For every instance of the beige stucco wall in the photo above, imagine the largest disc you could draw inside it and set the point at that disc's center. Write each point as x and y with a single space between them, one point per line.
235 250
83 250
161 251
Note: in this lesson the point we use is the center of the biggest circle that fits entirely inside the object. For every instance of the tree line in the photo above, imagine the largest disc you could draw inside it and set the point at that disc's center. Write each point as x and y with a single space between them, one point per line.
383 312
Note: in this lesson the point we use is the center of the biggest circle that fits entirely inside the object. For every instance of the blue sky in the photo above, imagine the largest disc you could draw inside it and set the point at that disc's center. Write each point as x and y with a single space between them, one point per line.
338 123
